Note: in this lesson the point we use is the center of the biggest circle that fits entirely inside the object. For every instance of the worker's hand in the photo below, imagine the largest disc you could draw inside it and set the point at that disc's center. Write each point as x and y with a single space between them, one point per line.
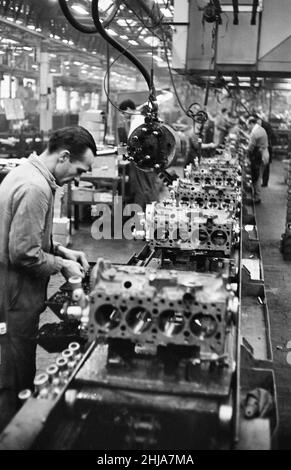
212 145
73 255
72 268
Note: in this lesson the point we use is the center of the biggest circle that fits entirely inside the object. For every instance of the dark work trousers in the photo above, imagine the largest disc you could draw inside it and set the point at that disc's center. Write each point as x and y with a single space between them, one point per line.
17 371
266 172
256 171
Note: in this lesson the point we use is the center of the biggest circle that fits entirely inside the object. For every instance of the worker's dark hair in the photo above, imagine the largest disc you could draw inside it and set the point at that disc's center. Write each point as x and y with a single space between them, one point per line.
252 120
127 104
224 110
75 139
257 117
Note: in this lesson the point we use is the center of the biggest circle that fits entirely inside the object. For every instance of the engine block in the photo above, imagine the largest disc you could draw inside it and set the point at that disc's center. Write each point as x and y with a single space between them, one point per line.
160 307
207 197
175 225
219 174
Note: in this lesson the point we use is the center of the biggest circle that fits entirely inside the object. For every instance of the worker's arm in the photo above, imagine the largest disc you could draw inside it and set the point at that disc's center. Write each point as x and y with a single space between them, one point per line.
210 145
30 207
252 142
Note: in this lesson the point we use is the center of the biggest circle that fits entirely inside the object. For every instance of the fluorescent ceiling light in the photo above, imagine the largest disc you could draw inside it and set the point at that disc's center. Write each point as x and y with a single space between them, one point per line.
242 8
111 32
122 22
31 26
157 58
104 4
152 41
166 12
78 8
8 41
124 36
133 42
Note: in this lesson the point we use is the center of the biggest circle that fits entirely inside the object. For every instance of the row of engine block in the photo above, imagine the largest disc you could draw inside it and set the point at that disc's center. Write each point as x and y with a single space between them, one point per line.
202 212
156 307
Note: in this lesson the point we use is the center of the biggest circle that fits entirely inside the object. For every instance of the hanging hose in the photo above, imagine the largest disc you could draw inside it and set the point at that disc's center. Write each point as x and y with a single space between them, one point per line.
153 144
98 28
238 100
116 44
71 19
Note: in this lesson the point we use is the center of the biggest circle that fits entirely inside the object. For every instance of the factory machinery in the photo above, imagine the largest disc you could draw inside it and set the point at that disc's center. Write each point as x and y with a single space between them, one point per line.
171 350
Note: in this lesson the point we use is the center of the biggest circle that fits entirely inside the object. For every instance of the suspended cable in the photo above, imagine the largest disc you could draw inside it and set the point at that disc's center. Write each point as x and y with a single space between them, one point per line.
116 44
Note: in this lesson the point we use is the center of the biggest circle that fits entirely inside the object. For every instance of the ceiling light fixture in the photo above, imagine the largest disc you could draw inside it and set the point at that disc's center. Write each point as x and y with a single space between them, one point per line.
166 12
80 9
111 32
122 22
152 41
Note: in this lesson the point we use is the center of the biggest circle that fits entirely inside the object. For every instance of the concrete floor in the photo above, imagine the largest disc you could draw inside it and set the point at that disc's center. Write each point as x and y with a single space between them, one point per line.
271 216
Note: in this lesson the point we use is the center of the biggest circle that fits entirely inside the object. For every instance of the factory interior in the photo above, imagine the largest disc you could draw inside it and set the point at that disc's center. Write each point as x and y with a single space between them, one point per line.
145 266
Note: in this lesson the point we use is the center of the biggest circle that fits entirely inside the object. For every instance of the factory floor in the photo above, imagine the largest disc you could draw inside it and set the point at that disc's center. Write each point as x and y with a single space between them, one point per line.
271 214
271 217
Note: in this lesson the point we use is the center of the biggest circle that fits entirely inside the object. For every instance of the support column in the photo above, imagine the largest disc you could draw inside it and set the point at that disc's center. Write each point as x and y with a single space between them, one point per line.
45 86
